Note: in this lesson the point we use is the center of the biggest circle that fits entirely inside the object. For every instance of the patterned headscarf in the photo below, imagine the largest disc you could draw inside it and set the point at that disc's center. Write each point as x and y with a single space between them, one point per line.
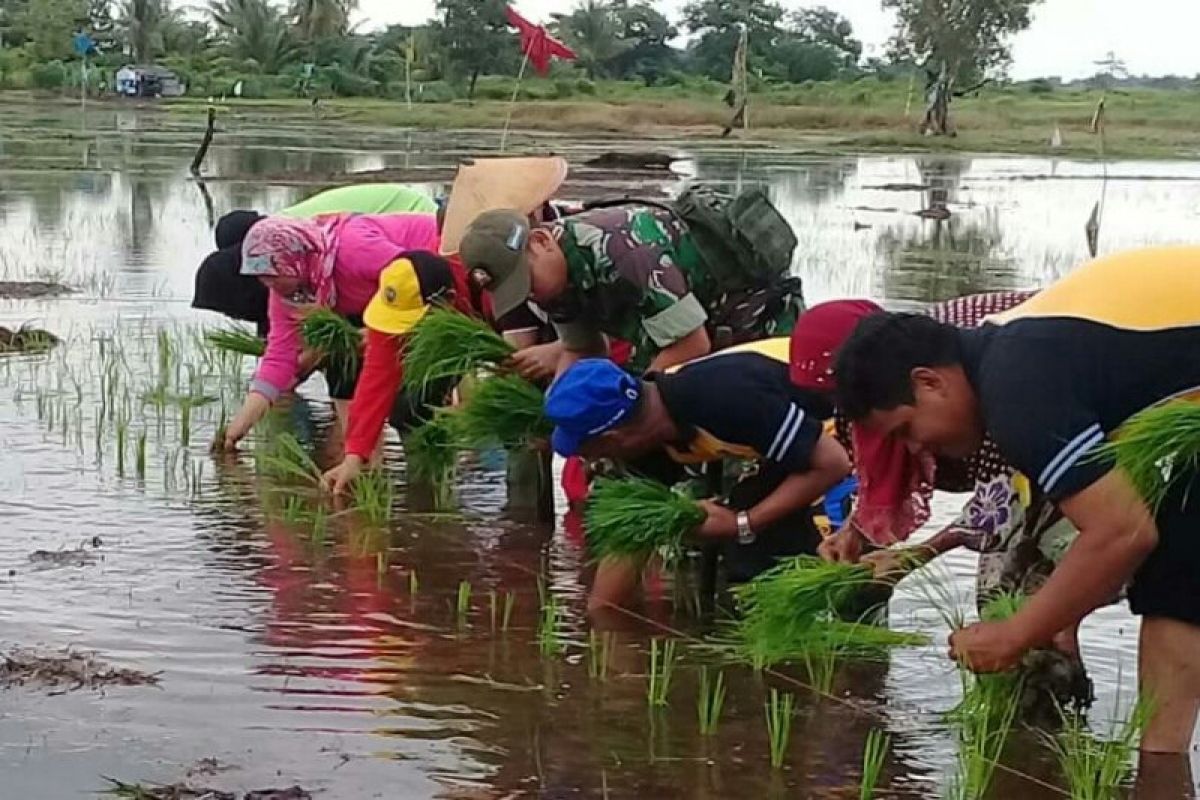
295 248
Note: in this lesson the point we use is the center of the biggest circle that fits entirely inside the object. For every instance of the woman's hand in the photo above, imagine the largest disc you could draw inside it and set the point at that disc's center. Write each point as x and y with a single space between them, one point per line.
845 546
254 408
338 479
892 564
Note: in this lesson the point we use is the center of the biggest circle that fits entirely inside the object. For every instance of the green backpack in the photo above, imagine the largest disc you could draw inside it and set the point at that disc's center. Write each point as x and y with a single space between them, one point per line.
744 240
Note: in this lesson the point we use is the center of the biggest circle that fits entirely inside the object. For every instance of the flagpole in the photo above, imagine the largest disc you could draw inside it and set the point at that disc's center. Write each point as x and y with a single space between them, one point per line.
512 103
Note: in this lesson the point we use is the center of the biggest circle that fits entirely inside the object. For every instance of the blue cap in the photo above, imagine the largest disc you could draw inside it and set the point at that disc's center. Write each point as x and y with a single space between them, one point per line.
593 396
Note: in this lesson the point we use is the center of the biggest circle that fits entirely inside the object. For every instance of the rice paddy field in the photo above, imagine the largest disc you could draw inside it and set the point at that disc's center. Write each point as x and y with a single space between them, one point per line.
170 618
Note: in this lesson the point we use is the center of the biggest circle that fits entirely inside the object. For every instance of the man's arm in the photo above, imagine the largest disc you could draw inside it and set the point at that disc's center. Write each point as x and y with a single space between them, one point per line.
580 339
695 345
1116 534
829 464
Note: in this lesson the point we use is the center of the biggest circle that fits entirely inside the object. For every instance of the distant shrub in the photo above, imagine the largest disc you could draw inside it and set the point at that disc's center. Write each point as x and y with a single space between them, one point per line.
584 86
48 75
1040 86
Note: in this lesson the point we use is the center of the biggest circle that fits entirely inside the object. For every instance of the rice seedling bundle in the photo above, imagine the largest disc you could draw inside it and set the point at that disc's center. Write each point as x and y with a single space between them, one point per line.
325 330
446 344
790 613
1156 447
431 451
636 516
505 411
236 340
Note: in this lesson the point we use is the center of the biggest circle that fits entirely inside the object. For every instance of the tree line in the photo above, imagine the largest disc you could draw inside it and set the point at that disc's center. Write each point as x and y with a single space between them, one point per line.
311 47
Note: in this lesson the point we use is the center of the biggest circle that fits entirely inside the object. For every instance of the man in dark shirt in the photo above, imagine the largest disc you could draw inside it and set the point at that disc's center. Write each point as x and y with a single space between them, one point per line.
1050 381
738 405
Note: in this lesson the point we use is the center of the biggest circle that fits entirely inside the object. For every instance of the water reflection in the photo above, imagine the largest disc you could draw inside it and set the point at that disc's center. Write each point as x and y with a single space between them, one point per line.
287 651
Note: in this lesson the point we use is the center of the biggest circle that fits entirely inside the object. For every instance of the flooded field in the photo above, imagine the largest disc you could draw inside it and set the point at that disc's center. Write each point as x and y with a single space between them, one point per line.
206 623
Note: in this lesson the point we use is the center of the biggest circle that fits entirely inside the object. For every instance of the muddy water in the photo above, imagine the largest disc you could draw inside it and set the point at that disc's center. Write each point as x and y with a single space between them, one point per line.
293 655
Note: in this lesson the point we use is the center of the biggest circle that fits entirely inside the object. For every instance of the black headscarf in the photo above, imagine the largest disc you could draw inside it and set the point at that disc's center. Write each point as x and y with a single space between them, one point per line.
232 228
220 287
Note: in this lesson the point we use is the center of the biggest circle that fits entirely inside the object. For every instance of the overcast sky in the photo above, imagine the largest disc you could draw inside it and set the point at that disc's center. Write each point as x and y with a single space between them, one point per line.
1156 37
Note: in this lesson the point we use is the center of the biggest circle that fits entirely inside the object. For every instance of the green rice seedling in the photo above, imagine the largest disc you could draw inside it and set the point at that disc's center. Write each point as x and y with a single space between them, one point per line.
122 432
288 459
790 613
332 334
446 344
874 755
463 603
141 455
503 411
510 600
414 584
493 608
381 567
320 525
373 492
779 711
1095 767
636 516
710 701
662 667
1157 446
599 654
549 642
236 340
432 455
293 510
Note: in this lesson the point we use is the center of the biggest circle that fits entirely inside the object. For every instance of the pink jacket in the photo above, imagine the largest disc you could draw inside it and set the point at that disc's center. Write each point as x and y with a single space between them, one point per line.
366 244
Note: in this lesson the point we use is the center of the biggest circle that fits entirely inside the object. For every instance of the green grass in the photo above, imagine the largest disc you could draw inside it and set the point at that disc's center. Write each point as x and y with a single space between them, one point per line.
329 332
462 604
663 659
636 517
710 701
1151 440
599 654
985 717
779 711
1098 768
874 756
502 411
447 344
373 493
236 340
550 643
286 458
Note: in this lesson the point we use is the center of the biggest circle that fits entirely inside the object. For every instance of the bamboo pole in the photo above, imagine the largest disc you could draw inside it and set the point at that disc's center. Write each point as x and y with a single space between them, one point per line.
512 103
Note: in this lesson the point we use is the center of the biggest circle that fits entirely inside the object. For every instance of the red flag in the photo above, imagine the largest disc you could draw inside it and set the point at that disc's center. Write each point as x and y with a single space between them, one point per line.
538 45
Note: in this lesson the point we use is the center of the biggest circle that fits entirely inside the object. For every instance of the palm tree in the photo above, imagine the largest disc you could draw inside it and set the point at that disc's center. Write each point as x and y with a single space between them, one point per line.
141 24
254 30
321 19
594 33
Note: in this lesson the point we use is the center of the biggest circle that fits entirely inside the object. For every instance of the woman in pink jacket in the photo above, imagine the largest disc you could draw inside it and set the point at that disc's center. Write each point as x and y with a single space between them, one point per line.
331 261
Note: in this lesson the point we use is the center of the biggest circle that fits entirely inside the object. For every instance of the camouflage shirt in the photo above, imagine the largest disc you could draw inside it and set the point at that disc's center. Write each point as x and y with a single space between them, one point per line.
634 273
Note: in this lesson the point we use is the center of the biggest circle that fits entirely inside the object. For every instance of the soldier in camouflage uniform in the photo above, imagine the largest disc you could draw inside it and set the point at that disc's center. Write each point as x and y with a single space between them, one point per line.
630 272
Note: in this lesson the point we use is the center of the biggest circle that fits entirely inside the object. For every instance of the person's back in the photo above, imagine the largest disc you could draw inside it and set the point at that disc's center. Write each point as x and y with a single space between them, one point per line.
367 198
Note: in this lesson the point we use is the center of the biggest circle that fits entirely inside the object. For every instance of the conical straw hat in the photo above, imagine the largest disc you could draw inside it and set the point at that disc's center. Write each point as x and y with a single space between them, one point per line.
484 184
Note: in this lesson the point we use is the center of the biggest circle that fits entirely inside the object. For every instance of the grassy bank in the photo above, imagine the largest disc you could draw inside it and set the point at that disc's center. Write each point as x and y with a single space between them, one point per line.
866 115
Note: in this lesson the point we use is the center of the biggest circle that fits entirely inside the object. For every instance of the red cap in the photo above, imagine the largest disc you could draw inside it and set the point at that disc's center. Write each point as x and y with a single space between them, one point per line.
818 334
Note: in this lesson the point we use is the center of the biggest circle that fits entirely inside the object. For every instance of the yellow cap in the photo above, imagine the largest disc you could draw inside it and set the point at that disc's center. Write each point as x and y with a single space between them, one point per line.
406 290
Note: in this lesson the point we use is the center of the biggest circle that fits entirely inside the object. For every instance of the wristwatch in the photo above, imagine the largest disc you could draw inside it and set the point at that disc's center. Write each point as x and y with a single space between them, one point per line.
745 535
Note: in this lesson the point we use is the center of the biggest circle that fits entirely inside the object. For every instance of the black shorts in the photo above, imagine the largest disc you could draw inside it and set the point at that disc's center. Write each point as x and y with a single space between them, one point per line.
1168 583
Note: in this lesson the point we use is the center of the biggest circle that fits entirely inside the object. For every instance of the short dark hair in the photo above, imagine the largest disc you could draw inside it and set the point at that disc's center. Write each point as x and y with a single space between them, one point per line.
874 366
